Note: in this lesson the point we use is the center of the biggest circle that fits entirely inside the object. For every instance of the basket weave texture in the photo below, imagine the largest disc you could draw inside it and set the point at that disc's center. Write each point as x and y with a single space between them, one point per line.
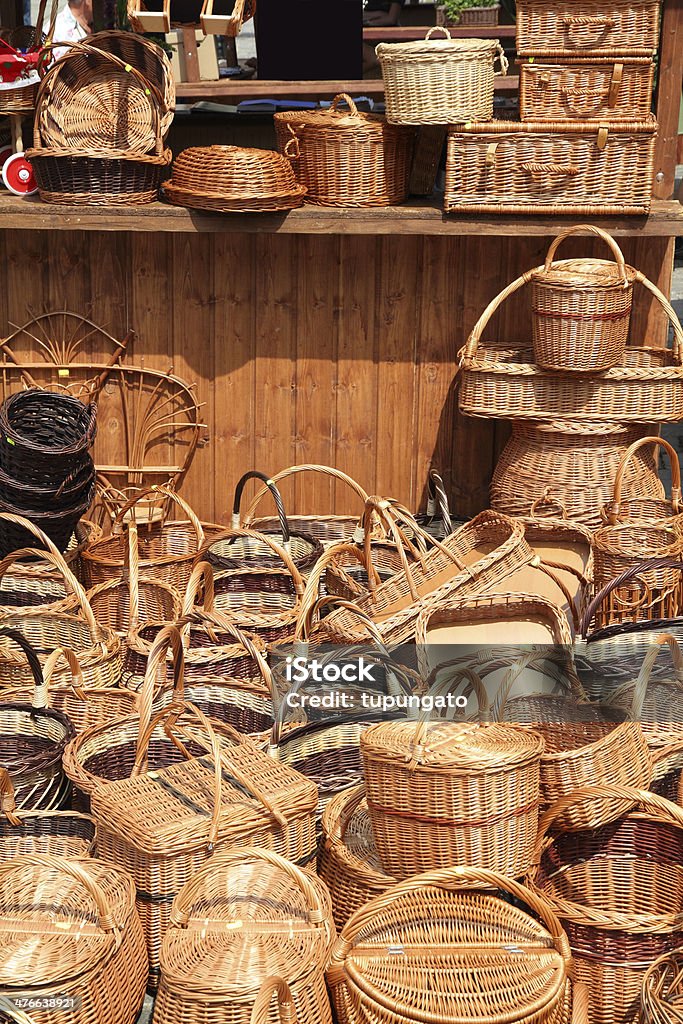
604 89
233 179
624 27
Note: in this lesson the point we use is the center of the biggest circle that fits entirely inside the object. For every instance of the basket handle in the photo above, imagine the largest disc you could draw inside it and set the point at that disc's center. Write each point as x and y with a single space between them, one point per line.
312 592
612 512
8 804
437 498
670 312
276 496
267 540
238 855
469 350
76 869
574 689
546 500
588 21
306 468
40 693
166 639
627 576
343 97
70 581
260 1011
305 622
29 652
641 683
246 640
438 28
164 492
502 59
452 879
132 575
588 229
475 685
201 575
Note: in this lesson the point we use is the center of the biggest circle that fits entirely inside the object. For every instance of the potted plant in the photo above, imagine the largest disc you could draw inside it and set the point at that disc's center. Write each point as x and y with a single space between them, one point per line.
471 12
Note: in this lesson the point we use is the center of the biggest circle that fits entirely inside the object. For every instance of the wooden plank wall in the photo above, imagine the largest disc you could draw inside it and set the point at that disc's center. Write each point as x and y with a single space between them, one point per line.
330 349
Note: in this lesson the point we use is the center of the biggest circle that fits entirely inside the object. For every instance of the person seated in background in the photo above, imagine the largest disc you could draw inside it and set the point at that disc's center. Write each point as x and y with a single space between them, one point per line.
377 14
73 23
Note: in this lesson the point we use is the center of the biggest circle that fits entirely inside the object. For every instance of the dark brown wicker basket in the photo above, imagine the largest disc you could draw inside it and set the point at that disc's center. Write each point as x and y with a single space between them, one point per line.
42 433
72 177
58 525
67 493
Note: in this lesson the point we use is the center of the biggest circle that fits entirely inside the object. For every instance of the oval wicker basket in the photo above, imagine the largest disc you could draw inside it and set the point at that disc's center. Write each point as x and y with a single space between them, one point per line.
347 158
581 308
657 590
90 177
441 793
61 833
437 948
618 891
440 81
662 991
232 179
149 59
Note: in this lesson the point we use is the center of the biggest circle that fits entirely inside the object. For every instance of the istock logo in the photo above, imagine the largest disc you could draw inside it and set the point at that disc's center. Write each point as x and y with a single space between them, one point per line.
301 670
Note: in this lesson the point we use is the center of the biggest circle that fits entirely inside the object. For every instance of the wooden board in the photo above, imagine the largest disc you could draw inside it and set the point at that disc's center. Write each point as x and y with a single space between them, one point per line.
332 349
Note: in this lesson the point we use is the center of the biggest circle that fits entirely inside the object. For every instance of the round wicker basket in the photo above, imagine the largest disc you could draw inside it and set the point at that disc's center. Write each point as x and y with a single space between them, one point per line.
231 179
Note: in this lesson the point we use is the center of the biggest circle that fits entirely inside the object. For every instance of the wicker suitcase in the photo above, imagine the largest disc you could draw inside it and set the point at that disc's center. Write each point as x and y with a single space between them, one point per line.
604 89
587 26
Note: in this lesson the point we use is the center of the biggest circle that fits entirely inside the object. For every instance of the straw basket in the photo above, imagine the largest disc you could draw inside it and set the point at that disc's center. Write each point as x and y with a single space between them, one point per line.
550 167
573 463
440 81
71 939
437 946
283 931
581 309
636 509
61 833
656 593
662 994
588 27
31 584
233 179
617 889
163 826
443 793
348 863
607 89
328 529
347 158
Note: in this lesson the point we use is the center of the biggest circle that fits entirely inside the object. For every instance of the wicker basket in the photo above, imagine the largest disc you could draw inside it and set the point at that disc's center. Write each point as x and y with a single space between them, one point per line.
87 177
70 933
585 27
284 932
480 16
450 793
581 309
454 567
347 158
328 529
661 993
656 593
31 584
44 435
149 59
617 890
164 825
636 509
20 97
437 947
440 81
232 179
60 833
605 89
573 463
550 167
348 862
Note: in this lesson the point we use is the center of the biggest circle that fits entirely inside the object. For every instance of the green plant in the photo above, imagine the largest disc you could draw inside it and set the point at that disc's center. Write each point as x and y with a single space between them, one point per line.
454 7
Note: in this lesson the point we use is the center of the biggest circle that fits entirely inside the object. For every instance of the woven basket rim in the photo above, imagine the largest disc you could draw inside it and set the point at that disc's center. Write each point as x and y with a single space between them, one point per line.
465 49
55 152
237 198
584 272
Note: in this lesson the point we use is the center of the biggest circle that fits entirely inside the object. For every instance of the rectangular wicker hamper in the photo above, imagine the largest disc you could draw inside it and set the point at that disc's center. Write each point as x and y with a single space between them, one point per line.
587 26
604 89
533 167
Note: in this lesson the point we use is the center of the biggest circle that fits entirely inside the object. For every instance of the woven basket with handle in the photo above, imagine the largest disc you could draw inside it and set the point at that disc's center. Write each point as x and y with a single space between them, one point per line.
618 891
662 990
588 27
636 509
607 89
31 584
61 833
437 947
657 594
440 81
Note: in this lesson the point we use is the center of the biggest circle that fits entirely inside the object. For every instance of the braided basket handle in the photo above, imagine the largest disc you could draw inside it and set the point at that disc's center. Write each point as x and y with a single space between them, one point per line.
547 501
437 498
260 1011
31 656
588 229
611 514
633 574
277 499
454 879
336 474
343 97
438 28
475 685
653 652
168 638
201 576
312 592
570 683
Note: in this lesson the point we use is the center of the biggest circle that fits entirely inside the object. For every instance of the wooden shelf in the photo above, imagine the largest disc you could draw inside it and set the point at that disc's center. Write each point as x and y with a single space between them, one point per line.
414 218
410 33
252 89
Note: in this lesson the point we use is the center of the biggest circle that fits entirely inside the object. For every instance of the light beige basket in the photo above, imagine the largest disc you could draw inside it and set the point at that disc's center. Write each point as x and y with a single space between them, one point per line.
440 81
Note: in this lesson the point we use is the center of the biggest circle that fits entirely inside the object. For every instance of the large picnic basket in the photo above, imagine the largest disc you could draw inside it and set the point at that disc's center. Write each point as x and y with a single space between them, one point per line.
607 89
626 27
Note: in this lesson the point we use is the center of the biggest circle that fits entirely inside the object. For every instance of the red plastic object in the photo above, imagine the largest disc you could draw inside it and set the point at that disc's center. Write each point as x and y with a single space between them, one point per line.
18 176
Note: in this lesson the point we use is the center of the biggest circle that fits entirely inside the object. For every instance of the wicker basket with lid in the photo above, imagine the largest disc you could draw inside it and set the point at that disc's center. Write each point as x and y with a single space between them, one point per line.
442 793
440 81
233 179
347 157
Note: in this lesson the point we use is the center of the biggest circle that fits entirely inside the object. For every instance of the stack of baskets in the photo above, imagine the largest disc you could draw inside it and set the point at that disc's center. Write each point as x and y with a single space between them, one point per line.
580 397
100 123
47 474
585 142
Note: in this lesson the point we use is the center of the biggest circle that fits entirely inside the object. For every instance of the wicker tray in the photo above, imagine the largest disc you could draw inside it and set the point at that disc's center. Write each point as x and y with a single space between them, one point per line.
551 167
587 26
604 89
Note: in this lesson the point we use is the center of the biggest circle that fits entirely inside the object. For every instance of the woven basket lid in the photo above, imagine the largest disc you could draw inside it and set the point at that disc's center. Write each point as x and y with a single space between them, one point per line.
51 927
234 172
445 46
333 119
240 920
584 273
454 745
